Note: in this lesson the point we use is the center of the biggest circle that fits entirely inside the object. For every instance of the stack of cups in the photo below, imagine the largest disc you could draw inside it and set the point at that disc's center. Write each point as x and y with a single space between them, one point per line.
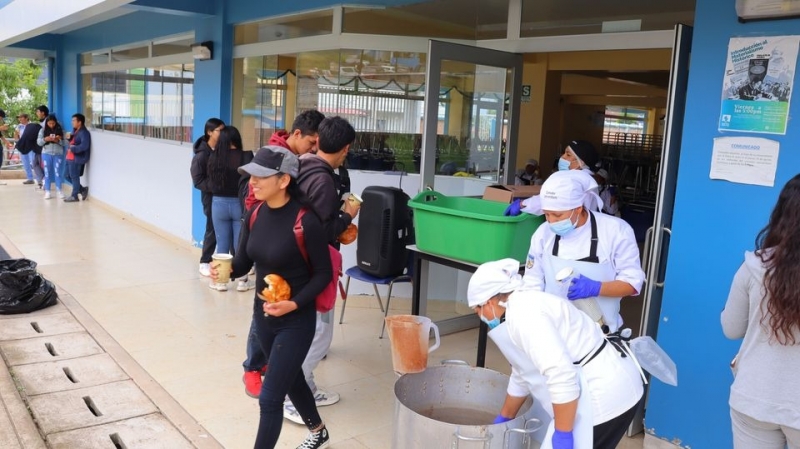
588 306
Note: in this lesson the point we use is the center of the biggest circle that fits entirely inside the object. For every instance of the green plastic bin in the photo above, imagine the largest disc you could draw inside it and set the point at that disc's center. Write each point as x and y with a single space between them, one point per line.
470 229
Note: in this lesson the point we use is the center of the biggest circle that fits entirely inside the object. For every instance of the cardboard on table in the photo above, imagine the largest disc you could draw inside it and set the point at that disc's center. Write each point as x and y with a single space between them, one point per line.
508 193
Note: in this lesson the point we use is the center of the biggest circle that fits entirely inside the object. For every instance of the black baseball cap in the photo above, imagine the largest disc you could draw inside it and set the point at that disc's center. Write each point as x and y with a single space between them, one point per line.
271 160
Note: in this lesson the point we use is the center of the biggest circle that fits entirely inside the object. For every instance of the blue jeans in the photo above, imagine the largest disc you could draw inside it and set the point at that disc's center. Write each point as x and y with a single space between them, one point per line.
226 213
286 341
52 170
27 163
255 360
74 177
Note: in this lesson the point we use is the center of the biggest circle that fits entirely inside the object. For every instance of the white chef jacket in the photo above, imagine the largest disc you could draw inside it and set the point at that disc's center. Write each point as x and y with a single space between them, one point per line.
554 334
615 242
605 195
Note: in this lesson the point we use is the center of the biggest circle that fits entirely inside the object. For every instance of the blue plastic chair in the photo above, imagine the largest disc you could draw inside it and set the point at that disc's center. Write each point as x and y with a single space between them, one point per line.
357 273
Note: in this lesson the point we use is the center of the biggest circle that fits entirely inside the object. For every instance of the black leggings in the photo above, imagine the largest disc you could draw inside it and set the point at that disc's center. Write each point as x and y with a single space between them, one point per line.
607 435
285 341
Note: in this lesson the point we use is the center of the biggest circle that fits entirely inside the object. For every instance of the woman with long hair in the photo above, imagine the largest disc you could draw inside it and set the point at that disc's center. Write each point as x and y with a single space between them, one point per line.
285 326
226 210
50 138
763 308
199 171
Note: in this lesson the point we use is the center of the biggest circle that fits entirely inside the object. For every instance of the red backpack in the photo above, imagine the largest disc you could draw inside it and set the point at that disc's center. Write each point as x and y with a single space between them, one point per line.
327 298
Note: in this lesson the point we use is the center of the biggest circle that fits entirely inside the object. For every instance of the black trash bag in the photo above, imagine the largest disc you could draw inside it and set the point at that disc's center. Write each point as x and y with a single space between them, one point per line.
15 276
22 289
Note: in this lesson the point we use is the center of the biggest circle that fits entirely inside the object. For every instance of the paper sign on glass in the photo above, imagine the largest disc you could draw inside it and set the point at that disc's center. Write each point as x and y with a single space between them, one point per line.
746 160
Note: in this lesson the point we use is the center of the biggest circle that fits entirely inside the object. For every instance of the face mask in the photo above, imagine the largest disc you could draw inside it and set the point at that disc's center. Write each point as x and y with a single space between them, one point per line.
563 164
563 227
493 323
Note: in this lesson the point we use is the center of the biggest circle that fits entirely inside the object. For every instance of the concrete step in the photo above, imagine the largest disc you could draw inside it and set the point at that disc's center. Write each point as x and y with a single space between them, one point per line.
69 374
75 409
41 326
49 349
145 432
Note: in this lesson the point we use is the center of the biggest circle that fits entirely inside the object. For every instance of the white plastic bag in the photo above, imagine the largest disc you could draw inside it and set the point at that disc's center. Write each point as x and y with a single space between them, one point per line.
654 360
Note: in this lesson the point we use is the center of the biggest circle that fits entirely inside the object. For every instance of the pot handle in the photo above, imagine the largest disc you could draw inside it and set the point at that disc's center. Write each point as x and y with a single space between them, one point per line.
458 438
455 362
526 432
435 337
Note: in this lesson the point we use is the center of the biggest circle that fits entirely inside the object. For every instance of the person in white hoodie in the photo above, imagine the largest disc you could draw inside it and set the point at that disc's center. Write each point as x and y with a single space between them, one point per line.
588 384
763 309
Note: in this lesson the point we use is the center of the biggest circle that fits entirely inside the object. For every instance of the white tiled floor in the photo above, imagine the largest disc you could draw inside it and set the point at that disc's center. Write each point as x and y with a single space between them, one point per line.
145 290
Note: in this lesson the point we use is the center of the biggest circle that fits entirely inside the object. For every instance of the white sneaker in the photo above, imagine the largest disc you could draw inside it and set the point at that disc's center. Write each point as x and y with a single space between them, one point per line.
61 195
205 269
245 284
47 195
324 397
218 286
290 413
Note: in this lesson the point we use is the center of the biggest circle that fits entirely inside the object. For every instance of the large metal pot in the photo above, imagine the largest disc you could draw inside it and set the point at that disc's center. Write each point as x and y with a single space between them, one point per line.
453 406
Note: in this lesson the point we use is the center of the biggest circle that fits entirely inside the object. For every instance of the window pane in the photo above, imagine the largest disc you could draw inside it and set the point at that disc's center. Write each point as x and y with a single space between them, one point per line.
130 54
172 46
172 76
565 17
455 19
187 110
155 104
129 101
299 25
109 101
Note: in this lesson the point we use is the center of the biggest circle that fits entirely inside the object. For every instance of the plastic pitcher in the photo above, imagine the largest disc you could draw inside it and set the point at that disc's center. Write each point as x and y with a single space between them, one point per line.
409 336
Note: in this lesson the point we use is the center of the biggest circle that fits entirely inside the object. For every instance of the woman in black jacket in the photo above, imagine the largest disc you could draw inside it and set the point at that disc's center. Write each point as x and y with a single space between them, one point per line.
199 172
285 328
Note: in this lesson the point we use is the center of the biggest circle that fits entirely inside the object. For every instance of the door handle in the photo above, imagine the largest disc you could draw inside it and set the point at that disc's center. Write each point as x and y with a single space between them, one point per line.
661 284
646 250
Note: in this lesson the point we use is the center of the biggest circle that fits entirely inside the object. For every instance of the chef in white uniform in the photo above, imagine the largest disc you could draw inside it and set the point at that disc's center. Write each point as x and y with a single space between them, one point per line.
560 357
579 156
600 248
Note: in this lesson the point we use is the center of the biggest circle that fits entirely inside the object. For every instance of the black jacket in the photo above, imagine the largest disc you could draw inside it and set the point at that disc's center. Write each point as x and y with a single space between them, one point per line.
319 183
27 141
199 167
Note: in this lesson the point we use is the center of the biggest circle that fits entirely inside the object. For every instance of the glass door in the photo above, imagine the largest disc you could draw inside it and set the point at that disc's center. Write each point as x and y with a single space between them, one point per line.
472 99
656 250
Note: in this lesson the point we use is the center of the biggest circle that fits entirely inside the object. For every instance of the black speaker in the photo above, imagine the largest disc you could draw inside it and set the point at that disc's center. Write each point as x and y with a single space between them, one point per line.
385 227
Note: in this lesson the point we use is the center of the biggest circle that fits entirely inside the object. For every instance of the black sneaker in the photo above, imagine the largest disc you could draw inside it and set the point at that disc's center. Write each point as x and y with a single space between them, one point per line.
30 181
84 193
316 440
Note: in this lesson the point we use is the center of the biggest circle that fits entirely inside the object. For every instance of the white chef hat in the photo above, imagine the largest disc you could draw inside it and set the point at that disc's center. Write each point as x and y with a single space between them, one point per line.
602 173
492 278
532 162
565 190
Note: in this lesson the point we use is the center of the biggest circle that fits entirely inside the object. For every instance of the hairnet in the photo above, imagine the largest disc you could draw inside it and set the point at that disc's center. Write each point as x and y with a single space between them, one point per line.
492 278
565 190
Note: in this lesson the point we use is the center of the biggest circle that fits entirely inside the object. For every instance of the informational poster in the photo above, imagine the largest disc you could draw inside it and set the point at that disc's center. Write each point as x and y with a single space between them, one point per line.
746 160
757 87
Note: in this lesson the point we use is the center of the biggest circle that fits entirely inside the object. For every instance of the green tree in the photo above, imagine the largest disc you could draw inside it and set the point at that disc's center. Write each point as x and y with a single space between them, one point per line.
21 90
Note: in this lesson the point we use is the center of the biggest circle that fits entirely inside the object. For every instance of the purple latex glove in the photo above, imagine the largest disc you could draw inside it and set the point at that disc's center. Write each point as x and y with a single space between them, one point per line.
501 419
562 440
514 209
583 287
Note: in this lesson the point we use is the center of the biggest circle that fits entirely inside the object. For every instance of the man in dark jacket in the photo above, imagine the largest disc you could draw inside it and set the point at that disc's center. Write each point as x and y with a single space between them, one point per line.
320 184
199 172
80 145
26 144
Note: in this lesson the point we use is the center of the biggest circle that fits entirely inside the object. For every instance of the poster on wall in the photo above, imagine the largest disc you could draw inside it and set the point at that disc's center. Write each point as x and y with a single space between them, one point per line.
745 160
757 87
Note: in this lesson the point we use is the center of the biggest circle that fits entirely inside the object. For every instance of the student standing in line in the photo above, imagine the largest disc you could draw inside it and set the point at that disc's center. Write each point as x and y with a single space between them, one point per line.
199 172
50 138
763 309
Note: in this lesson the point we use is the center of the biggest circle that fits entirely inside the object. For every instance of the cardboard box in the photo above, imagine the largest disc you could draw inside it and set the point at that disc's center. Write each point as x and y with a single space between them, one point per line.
508 193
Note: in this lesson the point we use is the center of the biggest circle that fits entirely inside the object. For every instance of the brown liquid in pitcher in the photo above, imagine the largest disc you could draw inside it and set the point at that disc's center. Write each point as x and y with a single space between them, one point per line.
460 416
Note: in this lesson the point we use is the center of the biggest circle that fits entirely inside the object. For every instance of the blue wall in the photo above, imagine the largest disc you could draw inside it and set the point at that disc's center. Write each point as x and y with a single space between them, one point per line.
714 223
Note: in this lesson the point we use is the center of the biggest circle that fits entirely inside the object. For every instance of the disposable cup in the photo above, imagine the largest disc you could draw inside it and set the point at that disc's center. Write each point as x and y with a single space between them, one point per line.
222 263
